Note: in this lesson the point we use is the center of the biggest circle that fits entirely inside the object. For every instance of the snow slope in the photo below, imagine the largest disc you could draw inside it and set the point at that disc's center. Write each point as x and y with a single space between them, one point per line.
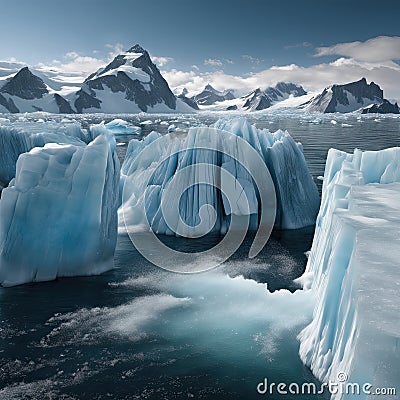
145 178
346 98
58 217
260 99
354 270
130 83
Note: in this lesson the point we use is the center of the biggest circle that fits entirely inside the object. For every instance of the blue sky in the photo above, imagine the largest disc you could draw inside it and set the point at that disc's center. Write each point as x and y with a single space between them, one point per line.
236 37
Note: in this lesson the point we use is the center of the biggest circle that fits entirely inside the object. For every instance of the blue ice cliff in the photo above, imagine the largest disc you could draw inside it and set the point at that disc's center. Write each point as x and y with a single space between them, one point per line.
20 137
58 216
353 269
151 164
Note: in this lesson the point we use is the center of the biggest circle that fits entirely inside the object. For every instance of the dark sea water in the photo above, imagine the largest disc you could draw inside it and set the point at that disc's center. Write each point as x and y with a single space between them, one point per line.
139 332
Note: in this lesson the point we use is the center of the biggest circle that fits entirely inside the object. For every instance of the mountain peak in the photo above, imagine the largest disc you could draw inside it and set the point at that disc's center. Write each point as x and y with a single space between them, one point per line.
25 85
209 87
24 72
137 49
347 97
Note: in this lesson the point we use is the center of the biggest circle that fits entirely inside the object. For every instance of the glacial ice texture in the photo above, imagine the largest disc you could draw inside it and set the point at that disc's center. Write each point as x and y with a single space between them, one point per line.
354 270
20 137
145 178
58 216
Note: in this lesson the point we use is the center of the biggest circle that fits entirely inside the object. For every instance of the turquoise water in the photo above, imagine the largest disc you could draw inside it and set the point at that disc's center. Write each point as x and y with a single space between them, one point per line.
141 332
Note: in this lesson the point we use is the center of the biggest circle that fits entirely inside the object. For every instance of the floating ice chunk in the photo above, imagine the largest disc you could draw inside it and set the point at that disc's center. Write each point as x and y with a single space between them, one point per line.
122 127
297 194
58 217
353 270
18 138
172 128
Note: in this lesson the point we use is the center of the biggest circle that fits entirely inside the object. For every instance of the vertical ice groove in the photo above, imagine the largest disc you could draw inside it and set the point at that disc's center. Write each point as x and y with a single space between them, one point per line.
58 217
296 192
353 270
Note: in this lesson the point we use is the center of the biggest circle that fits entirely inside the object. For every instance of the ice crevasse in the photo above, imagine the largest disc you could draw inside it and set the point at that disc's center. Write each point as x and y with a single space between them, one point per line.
145 177
58 216
354 271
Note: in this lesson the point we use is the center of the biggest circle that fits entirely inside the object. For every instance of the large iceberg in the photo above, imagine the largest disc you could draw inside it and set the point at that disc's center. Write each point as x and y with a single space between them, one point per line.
20 137
152 164
58 216
354 270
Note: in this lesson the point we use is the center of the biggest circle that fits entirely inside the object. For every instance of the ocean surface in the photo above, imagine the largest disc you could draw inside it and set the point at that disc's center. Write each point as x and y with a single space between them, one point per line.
139 332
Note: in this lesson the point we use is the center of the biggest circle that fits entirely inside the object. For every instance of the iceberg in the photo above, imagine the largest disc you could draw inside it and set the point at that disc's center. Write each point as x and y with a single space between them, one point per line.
353 268
297 195
121 127
20 137
153 163
58 216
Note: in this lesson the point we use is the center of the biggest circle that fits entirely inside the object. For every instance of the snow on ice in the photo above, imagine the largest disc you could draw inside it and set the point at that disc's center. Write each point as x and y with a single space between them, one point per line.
354 270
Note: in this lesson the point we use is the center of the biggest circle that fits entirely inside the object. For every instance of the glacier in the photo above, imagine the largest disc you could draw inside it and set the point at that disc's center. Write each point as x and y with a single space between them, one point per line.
353 269
152 163
58 216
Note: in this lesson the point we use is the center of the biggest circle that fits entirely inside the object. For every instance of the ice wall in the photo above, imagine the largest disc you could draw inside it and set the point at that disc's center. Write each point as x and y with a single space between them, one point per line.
20 137
354 270
297 195
58 217
145 177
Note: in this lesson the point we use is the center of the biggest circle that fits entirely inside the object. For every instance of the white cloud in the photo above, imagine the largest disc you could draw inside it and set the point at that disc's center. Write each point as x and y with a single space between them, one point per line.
313 78
379 49
253 60
356 62
116 48
214 62
161 61
76 67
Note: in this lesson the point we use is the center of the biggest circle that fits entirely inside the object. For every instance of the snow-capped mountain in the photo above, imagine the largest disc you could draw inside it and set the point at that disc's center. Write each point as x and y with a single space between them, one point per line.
131 83
346 98
26 92
386 107
210 96
261 99
256 100
189 101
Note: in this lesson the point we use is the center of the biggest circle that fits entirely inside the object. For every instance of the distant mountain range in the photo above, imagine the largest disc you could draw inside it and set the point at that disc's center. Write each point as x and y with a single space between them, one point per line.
132 83
210 96
254 101
350 97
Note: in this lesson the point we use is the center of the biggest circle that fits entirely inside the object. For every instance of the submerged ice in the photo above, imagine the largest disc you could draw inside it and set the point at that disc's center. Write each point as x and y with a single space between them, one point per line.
153 163
58 216
354 270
